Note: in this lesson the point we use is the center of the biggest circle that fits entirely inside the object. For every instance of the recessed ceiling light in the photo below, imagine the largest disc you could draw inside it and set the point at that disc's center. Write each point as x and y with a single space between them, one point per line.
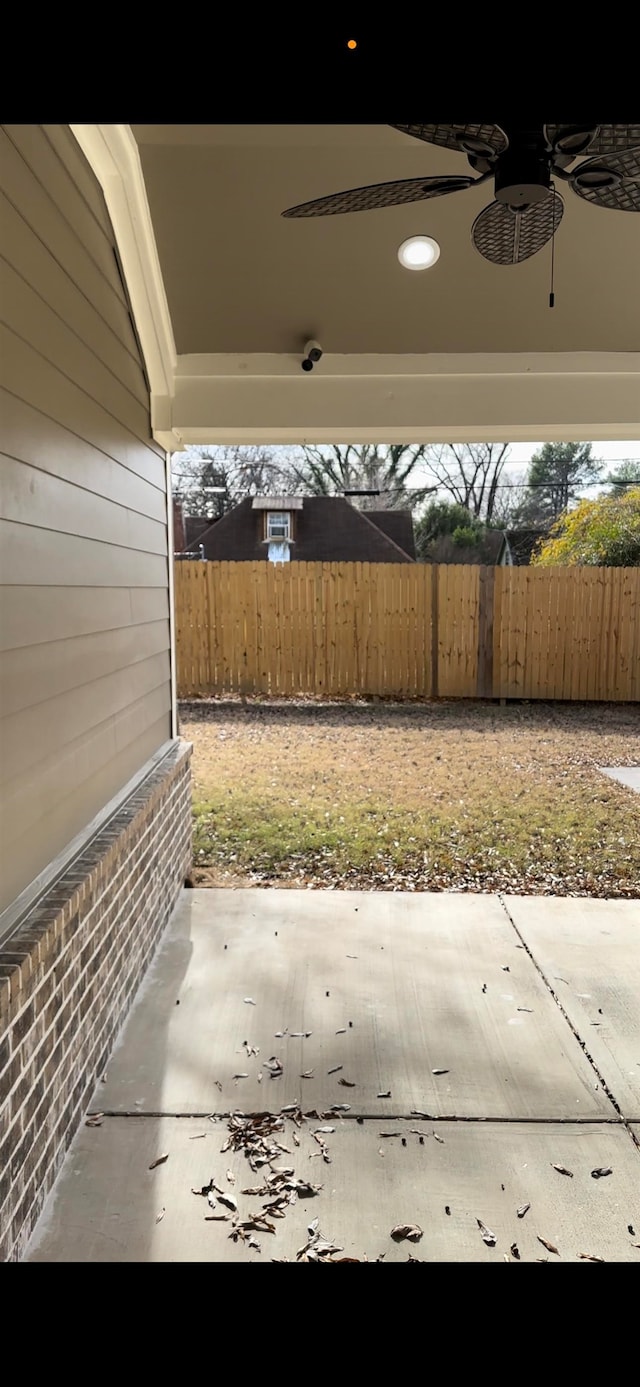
418 253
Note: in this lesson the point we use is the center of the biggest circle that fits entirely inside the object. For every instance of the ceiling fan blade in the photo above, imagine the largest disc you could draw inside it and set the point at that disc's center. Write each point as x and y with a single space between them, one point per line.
570 142
507 237
614 139
380 195
612 182
487 140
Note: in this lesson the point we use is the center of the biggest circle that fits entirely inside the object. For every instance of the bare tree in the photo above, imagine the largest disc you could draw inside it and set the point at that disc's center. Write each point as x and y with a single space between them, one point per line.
211 480
470 473
332 469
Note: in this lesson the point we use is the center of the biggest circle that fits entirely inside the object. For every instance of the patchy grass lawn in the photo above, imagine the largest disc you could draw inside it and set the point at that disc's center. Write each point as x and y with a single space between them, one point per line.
443 796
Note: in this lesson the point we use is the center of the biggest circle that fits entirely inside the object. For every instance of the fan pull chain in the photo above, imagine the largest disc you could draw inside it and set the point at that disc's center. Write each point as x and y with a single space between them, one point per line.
552 297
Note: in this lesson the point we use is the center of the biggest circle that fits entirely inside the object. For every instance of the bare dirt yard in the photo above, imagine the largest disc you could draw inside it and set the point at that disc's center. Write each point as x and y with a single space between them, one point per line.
440 796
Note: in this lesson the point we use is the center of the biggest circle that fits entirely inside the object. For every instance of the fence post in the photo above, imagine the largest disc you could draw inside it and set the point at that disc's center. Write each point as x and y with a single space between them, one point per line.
486 587
434 630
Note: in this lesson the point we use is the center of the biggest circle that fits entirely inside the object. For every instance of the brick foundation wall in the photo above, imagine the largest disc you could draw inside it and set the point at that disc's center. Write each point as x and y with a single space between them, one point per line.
68 977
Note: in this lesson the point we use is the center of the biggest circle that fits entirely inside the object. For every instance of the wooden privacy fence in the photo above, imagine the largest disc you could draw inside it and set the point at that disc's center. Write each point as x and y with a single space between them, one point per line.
408 630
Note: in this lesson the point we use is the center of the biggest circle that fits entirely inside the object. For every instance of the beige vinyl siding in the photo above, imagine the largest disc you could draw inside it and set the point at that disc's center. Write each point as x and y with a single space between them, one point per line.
85 693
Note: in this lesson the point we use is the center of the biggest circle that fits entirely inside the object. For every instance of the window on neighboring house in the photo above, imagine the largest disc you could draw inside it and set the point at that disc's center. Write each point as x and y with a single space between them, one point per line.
278 525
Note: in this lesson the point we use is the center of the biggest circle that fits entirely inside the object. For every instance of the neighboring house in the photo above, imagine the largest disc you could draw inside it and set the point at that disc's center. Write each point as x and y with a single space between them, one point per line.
314 528
522 544
493 551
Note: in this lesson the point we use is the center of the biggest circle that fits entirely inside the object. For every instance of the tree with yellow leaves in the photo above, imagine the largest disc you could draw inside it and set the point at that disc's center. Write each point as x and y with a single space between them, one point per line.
604 533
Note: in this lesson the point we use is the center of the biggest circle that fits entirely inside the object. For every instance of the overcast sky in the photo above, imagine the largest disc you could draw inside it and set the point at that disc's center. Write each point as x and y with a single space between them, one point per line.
613 453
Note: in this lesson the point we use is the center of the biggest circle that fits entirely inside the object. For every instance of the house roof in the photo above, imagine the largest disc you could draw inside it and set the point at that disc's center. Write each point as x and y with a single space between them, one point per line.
327 529
398 526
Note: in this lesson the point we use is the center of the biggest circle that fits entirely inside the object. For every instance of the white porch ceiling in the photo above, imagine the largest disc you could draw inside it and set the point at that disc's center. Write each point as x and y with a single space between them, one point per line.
466 349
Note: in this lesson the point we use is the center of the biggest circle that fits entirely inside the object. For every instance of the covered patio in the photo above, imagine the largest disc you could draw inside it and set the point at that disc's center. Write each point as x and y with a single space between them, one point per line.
156 297
433 1060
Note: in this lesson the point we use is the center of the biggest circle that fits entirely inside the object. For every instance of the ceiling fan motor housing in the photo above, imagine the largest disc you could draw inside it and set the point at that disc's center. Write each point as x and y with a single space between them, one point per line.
523 177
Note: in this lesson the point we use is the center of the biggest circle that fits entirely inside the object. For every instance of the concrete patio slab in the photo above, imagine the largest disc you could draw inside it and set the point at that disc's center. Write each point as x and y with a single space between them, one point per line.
385 988
589 950
109 1207
627 775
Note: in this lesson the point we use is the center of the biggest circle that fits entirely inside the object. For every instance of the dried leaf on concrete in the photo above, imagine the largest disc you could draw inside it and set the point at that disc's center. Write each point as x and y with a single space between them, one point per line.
562 1170
249 1001
549 1246
524 1209
589 1257
411 1232
160 1160
515 1252
160 1215
601 1171
336 1069
487 1236
346 1083
385 1095
95 1120
439 1071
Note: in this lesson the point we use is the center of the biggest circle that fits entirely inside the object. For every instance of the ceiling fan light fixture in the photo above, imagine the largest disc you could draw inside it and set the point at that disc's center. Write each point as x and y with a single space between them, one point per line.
418 253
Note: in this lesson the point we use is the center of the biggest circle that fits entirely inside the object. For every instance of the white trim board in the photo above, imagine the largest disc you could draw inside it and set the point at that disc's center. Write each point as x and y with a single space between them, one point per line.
112 153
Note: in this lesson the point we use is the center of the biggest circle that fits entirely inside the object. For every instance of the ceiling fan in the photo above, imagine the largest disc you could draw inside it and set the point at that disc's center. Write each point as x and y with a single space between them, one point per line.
526 210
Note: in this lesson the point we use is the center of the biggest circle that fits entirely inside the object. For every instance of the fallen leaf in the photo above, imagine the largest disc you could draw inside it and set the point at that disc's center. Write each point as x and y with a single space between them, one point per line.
426 1115
231 1177
253 1242
200 1136
588 1257
296 1138
351 956
229 1201
160 1160
95 1120
515 1251
529 1009
524 1209
549 1246
562 1170
438 1138
385 1095
601 1171
300 1035
336 1069
216 1218
241 1076
487 1236
308 1074
340 1107
249 1001
388 1134
342 1031
346 1084
409 1231
439 1071
160 1216
325 1131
